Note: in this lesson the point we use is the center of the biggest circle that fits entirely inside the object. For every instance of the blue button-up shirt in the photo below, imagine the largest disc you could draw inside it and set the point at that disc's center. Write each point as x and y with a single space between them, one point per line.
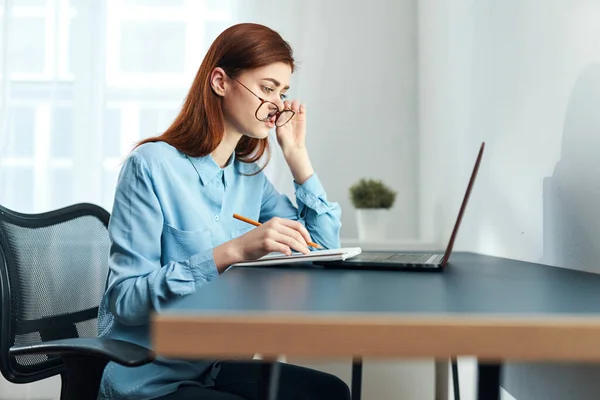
169 212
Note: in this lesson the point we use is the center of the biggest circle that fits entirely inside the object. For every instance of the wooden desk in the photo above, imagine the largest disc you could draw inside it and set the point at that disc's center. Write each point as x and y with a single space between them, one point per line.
491 308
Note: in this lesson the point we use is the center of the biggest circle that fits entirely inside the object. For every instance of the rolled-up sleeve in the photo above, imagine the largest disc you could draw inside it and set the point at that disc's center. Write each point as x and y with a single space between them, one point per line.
321 217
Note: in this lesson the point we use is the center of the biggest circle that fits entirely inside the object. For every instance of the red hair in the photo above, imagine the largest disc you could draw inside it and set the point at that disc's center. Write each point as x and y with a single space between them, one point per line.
198 128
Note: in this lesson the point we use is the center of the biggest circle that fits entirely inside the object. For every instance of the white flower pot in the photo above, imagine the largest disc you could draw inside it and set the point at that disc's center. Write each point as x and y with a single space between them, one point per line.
372 223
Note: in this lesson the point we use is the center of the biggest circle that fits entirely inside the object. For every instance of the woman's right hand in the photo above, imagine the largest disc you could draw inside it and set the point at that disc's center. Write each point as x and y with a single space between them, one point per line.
278 234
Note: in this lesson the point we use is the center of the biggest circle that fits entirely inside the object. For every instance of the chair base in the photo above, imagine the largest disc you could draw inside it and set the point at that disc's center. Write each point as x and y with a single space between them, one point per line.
81 379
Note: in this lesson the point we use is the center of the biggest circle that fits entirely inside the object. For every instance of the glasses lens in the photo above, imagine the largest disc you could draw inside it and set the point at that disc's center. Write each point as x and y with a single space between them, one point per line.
284 117
266 111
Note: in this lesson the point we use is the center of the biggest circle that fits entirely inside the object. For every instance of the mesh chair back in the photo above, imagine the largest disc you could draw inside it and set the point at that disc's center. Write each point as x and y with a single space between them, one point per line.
53 270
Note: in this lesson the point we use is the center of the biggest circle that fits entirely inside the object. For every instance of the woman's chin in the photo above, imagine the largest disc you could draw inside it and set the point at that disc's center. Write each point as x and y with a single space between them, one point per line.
259 133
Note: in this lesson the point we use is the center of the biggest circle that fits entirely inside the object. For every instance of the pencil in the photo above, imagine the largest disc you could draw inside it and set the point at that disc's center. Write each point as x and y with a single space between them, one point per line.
251 222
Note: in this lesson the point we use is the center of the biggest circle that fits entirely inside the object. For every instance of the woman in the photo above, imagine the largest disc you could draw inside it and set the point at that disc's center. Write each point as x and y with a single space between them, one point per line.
172 229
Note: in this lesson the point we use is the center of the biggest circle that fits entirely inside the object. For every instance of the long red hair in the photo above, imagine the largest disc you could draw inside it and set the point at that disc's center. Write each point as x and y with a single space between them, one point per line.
198 128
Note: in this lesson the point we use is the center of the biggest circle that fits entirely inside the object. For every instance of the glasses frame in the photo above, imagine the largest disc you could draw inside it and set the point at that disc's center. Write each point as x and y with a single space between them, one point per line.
278 113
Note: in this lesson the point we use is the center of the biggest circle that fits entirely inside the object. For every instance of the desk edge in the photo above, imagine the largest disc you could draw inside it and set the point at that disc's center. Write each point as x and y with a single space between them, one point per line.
494 337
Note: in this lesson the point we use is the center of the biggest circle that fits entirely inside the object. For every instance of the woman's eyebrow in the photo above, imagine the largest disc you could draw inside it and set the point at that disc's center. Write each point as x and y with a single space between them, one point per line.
275 82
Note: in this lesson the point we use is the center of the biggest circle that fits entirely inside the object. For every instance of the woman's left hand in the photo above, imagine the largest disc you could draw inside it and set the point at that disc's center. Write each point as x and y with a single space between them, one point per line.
292 136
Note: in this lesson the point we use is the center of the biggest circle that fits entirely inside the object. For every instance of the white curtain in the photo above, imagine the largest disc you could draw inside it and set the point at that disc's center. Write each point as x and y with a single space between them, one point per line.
83 80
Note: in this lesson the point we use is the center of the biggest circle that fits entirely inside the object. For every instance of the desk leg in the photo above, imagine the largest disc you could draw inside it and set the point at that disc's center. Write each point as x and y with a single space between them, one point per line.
488 386
270 380
356 378
455 380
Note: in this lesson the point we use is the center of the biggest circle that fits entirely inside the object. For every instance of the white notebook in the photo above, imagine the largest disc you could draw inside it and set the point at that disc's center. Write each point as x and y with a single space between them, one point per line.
315 255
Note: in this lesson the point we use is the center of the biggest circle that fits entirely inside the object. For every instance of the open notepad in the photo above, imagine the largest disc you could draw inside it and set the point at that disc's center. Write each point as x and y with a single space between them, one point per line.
315 255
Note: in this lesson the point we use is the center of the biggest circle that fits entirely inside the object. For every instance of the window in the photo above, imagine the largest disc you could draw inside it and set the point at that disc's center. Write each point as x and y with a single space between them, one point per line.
86 81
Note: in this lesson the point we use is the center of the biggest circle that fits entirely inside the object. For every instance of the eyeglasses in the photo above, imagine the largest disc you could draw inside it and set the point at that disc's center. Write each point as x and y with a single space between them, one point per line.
267 110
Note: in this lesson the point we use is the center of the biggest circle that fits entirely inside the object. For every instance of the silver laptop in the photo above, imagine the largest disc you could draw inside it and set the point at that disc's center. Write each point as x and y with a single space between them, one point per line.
410 261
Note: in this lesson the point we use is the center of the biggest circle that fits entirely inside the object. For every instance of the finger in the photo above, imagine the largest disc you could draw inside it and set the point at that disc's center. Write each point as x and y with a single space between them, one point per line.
292 243
279 247
287 105
295 106
280 233
302 109
298 227
293 233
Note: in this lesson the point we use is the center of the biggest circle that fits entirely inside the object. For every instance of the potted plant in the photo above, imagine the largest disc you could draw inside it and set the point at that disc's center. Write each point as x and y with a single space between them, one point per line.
372 200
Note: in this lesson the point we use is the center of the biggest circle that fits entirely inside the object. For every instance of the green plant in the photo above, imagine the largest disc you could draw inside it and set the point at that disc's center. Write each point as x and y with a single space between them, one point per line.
370 193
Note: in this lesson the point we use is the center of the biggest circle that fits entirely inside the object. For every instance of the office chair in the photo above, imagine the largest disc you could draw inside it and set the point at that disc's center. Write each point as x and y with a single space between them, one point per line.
53 273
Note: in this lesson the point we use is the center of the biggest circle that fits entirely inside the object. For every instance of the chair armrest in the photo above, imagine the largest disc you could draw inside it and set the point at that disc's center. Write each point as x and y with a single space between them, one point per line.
119 351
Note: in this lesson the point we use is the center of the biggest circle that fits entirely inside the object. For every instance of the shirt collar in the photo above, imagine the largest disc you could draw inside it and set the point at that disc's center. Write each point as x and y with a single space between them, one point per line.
208 169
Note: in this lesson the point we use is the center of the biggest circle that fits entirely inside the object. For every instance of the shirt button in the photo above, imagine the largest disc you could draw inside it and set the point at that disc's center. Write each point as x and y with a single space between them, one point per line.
216 217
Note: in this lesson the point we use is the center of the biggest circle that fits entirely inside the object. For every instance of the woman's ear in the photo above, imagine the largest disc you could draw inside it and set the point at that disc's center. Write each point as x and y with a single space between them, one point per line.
217 81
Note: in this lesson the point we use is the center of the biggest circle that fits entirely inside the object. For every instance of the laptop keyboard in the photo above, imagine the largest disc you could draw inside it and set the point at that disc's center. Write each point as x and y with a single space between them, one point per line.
408 258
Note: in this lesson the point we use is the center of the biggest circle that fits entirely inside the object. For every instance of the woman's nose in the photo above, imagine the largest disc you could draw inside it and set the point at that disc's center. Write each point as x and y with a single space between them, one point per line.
280 103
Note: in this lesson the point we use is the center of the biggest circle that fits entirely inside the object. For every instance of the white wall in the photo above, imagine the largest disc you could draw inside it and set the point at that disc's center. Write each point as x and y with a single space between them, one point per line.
358 76
523 75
